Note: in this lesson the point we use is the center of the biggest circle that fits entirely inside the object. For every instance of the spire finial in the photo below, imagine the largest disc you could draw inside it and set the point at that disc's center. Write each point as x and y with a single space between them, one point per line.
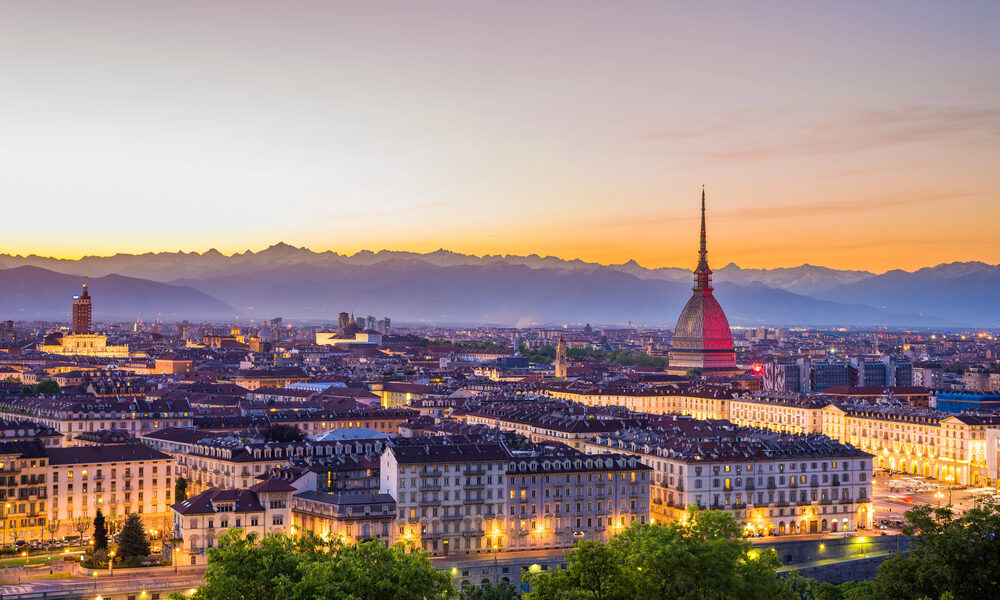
703 253
703 274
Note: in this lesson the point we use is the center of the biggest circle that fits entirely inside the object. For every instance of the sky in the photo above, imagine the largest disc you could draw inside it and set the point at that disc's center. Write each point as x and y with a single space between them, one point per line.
857 135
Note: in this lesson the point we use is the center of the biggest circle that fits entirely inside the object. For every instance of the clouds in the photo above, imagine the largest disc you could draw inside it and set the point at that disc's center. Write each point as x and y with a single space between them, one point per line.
792 133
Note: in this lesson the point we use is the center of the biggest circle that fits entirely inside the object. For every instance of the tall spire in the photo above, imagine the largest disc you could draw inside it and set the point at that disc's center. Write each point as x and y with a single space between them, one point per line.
703 274
703 253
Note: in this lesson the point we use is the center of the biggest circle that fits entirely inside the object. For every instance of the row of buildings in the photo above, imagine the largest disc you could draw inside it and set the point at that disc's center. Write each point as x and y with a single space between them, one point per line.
949 447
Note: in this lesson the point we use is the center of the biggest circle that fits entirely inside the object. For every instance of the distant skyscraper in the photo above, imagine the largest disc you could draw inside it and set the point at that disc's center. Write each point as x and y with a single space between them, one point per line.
560 366
82 314
702 338
343 320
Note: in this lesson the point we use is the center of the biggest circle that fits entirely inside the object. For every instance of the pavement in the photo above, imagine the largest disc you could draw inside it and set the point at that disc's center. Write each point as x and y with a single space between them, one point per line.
890 504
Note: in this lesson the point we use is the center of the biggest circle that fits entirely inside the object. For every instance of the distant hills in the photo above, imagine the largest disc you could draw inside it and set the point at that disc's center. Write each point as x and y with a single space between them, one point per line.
444 286
30 293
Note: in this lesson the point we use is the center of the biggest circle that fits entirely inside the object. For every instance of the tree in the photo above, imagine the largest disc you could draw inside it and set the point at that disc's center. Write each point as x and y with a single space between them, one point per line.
47 387
703 556
951 553
132 542
503 591
52 526
595 571
180 489
279 567
100 532
15 531
281 432
81 525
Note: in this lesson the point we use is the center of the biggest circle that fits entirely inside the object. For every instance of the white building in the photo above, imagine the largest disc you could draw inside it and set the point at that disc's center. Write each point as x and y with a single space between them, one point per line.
200 520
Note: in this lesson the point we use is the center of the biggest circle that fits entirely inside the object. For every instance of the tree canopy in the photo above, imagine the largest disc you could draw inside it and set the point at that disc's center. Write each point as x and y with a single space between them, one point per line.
180 489
704 556
279 567
952 554
132 541
47 387
100 532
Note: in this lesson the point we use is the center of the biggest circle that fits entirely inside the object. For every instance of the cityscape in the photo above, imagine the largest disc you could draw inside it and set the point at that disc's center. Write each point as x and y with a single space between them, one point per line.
436 391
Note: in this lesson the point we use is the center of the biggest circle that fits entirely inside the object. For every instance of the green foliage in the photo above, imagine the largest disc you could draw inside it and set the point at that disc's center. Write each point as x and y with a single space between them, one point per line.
503 591
278 567
705 556
951 554
180 489
693 372
47 387
100 532
132 541
541 355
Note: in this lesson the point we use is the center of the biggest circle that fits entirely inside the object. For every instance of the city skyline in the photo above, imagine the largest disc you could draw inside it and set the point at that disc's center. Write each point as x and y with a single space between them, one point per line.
837 137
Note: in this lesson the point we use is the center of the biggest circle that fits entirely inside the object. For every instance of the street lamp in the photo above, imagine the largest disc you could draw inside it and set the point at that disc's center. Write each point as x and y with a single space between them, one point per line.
949 479
111 563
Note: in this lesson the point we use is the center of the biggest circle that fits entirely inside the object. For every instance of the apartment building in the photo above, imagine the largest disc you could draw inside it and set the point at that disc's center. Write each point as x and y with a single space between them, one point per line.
118 479
75 415
945 446
776 484
347 516
557 496
24 474
786 413
228 461
543 422
700 402
200 520
450 498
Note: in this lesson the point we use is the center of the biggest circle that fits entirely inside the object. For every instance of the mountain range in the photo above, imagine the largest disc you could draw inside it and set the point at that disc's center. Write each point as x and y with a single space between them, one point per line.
449 287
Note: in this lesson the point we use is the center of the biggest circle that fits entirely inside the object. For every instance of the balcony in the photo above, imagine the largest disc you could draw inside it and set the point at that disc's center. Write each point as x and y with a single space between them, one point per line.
474 484
430 485
452 517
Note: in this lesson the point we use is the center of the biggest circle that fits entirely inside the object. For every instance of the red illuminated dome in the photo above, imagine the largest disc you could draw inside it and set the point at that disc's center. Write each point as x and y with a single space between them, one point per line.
702 338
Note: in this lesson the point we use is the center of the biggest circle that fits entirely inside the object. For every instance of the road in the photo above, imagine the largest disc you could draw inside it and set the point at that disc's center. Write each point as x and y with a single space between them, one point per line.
891 504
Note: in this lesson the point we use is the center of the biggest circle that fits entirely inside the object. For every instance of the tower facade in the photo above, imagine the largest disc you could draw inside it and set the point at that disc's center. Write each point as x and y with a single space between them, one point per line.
560 364
82 315
702 338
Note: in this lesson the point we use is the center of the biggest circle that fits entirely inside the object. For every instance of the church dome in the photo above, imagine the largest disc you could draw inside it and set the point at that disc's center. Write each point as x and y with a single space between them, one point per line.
702 338
703 319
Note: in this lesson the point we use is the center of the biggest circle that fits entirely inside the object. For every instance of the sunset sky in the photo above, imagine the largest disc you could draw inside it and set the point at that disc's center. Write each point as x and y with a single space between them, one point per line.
849 134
